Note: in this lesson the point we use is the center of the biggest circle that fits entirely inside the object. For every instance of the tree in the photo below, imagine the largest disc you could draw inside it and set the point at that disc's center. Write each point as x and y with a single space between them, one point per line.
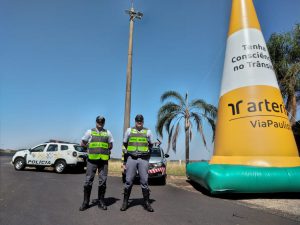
296 131
284 51
172 113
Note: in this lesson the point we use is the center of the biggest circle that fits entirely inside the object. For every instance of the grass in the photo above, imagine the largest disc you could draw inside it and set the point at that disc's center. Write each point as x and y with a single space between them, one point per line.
173 168
114 166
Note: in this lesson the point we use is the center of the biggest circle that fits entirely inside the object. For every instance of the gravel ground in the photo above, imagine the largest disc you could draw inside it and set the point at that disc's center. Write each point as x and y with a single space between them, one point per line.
284 204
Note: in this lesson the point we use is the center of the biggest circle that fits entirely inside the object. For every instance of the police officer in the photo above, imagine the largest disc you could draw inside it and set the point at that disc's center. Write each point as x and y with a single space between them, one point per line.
137 141
99 142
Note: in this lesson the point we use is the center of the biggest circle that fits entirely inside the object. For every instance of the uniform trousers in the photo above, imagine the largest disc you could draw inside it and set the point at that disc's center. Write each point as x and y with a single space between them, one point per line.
133 165
91 169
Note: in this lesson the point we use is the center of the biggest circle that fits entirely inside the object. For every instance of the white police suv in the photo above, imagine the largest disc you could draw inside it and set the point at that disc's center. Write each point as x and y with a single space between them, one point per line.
54 154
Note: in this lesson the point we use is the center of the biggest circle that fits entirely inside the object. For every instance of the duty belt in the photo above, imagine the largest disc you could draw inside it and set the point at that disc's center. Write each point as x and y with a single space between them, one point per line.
141 156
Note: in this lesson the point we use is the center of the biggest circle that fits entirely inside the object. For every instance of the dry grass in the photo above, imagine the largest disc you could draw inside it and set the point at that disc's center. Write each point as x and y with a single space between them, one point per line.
176 169
173 168
114 166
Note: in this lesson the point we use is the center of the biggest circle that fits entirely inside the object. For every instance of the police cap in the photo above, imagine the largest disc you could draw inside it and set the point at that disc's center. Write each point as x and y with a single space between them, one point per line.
100 119
139 118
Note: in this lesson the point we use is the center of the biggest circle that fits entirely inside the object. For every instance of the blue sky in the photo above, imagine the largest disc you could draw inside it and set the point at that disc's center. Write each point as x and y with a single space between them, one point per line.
63 62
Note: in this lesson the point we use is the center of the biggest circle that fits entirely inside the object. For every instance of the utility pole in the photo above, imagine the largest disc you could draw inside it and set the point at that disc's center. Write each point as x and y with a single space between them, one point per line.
132 15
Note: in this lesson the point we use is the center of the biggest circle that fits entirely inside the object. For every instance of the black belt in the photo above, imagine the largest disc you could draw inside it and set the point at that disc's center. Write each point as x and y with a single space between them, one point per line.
139 156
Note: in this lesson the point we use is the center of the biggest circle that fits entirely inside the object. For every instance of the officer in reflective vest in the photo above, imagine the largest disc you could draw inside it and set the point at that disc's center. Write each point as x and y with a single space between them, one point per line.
137 141
98 142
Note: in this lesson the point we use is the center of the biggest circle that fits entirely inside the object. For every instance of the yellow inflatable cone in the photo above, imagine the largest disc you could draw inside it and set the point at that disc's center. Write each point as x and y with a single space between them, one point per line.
253 127
255 150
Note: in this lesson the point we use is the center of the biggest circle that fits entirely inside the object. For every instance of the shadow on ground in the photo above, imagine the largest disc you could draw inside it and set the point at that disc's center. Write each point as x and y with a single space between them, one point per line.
108 201
138 202
241 196
51 170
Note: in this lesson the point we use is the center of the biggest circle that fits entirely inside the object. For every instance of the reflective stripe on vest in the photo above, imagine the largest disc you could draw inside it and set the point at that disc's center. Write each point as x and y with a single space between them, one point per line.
98 146
138 141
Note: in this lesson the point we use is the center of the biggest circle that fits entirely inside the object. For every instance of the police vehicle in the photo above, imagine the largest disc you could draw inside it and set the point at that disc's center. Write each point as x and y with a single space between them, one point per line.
59 155
157 166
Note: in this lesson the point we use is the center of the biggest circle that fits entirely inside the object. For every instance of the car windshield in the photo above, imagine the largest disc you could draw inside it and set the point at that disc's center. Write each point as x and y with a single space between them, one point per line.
155 152
78 148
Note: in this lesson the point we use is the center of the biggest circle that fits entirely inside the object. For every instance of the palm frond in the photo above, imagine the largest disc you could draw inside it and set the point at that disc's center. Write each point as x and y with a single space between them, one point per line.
170 119
198 122
175 136
165 116
201 105
162 121
172 94
169 138
168 108
213 127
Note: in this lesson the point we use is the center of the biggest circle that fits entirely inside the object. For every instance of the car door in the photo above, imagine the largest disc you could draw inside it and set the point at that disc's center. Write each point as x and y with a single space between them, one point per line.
36 154
51 153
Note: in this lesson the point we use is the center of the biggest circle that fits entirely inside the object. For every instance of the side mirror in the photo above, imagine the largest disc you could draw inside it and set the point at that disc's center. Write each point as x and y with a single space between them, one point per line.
167 155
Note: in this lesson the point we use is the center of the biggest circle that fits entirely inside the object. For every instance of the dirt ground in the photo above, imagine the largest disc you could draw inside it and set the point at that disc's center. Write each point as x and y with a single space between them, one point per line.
284 204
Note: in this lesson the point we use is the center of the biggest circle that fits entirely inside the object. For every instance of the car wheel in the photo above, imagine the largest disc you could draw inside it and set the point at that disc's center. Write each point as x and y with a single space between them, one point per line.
19 164
60 166
40 168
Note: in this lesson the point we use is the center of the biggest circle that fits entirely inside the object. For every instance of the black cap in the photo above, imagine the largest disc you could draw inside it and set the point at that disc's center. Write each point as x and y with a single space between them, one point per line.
139 118
100 119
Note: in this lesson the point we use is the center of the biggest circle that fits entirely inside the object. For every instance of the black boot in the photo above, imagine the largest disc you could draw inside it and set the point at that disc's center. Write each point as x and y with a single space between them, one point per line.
87 193
101 193
126 198
146 195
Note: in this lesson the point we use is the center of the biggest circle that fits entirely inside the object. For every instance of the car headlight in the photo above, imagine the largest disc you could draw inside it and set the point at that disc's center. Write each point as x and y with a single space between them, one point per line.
160 164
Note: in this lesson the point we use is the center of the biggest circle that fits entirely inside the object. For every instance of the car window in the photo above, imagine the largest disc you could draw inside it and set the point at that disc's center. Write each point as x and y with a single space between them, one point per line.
64 147
39 148
78 148
155 152
52 148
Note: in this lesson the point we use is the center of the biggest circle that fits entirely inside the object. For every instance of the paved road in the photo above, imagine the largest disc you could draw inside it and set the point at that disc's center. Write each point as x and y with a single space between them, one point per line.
45 198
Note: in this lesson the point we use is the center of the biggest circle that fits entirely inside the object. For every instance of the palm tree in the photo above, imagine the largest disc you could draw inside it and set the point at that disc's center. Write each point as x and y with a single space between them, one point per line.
172 113
284 51
296 131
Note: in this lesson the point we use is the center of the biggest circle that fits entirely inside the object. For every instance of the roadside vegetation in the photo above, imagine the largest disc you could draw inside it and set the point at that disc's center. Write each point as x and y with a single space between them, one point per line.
284 51
181 111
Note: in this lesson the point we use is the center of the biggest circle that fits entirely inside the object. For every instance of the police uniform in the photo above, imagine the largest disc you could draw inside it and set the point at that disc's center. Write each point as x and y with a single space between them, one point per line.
137 143
99 142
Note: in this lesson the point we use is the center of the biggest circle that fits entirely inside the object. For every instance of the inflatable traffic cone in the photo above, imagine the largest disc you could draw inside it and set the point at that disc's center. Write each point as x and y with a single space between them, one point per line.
253 127
255 150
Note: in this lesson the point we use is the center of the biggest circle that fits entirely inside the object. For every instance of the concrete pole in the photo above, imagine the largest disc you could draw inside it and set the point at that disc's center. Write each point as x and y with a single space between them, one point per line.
128 79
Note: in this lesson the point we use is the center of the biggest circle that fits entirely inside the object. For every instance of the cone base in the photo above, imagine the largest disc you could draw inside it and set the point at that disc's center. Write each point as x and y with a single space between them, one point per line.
260 161
220 179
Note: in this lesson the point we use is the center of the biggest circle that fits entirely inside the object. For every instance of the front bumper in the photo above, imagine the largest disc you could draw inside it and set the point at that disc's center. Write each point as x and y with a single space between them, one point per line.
157 172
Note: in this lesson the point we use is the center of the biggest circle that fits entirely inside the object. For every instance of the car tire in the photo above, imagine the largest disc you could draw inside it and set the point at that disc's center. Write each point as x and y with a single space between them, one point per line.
40 168
19 163
60 166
